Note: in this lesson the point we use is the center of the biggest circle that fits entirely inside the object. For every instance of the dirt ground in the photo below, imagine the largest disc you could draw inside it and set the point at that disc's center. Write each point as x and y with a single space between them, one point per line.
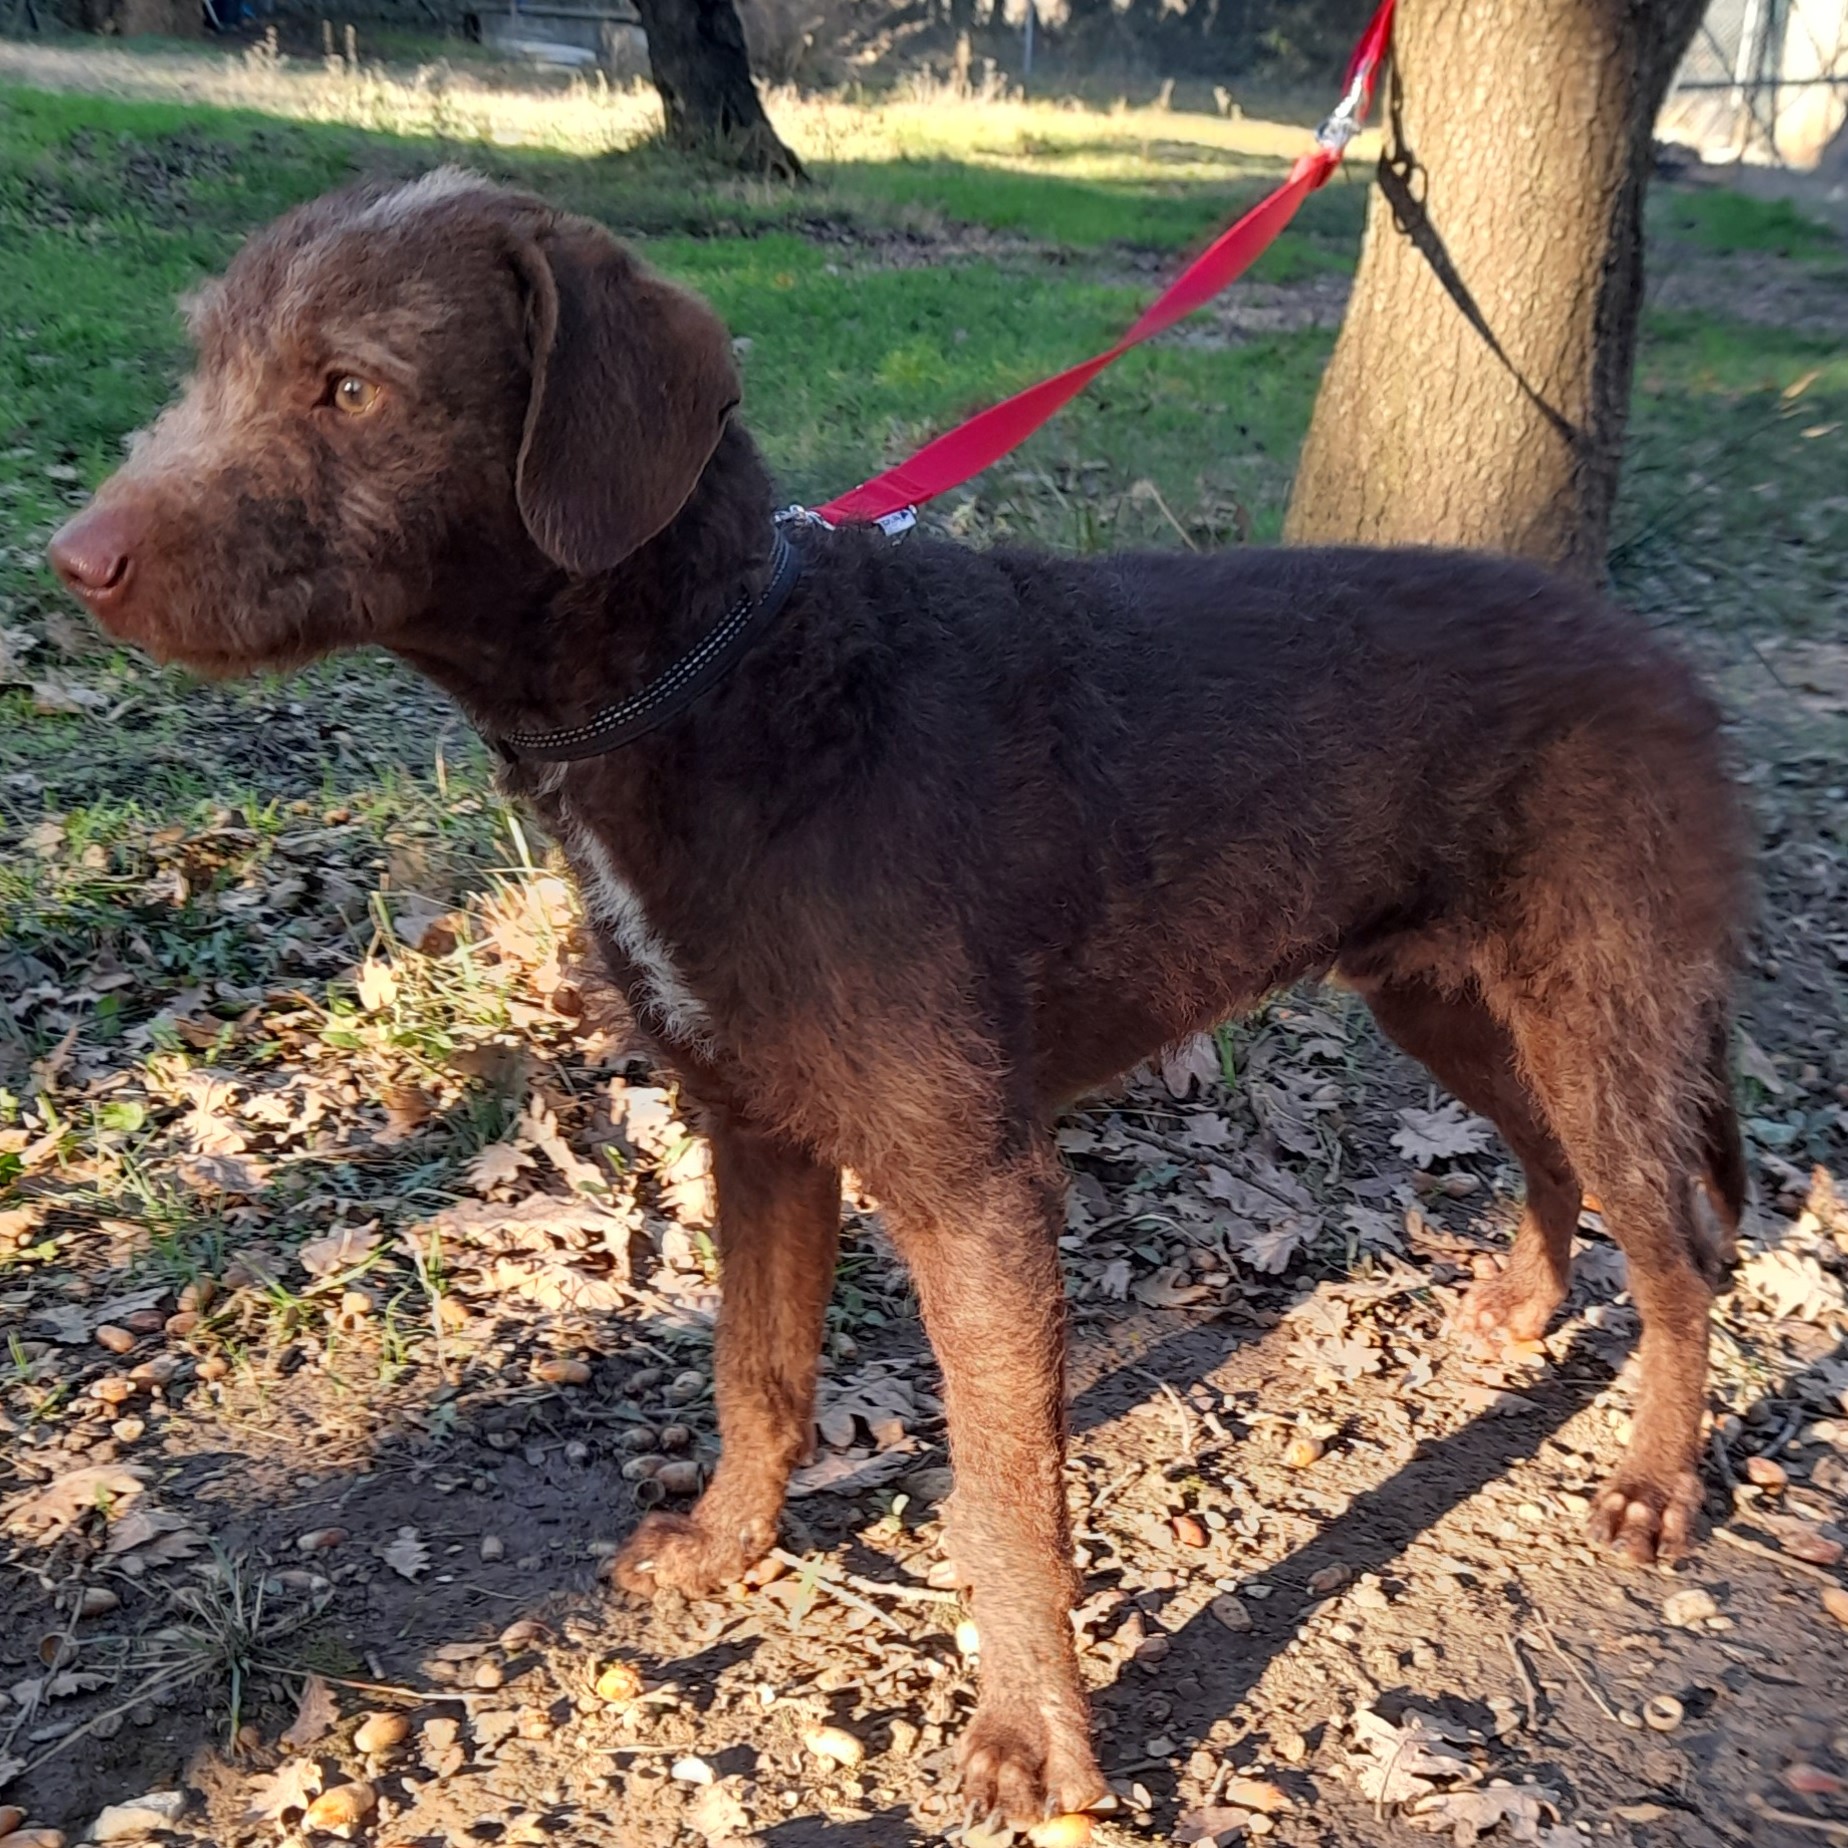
353 1317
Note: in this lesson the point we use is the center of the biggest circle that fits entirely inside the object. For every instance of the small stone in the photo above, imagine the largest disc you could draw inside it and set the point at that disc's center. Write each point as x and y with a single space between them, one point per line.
680 1478
836 1745
1290 1745
139 1817
1302 1451
1231 1612
1809 1544
1684 1609
1069 1831
381 1732
1188 1531
341 1811
1768 1473
619 1682
1329 1579
1813 1781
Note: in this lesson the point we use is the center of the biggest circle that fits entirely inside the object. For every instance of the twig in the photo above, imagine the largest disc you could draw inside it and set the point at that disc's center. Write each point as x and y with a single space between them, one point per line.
1115 1486
879 1588
1759 1550
168 1678
810 1572
416 1696
1181 1413
1603 1706
1527 1680
1817 1825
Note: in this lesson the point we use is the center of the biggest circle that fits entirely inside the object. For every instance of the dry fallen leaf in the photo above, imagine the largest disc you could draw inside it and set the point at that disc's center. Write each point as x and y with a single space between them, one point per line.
293 1785
315 1713
1793 1285
1395 1764
378 986
1168 1289
717 1814
1194 1061
497 1165
47 1513
1425 1136
407 1555
1471 1813
339 1251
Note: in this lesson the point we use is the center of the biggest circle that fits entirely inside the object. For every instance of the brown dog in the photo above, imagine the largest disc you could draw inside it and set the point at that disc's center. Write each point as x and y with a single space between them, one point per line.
960 836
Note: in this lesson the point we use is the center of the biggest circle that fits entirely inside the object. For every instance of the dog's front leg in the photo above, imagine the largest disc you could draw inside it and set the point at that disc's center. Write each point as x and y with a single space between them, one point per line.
779 1230
985 1256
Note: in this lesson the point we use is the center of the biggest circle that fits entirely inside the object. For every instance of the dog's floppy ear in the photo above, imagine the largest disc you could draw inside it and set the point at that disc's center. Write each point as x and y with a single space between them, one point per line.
632 380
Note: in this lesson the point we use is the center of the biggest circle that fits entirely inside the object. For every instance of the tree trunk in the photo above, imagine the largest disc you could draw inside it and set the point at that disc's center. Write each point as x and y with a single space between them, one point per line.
1478 391
697 57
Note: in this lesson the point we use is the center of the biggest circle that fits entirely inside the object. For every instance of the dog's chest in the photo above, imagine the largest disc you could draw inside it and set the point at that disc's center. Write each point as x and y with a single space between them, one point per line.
614 904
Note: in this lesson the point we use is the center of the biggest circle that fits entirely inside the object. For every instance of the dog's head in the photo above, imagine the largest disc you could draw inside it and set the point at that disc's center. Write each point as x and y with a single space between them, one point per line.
403 398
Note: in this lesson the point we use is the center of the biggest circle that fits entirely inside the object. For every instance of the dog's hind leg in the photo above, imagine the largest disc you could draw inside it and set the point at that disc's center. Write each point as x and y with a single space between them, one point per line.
1617 1071
1470 1052
779 1230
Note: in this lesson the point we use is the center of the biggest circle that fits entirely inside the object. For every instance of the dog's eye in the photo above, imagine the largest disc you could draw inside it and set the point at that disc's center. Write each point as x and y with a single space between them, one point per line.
354 395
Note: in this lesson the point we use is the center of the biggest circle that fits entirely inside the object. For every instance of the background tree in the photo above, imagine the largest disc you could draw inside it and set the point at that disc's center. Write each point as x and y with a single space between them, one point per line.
1479 388
697 56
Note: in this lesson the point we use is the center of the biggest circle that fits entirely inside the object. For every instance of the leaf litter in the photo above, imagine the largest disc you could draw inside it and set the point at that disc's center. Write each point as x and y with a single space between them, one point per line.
464 1139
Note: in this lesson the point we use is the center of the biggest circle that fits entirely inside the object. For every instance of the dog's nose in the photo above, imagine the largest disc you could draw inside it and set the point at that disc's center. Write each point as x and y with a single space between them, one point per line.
94 554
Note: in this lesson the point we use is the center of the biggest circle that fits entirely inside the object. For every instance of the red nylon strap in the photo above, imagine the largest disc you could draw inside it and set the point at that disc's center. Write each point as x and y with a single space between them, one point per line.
951 459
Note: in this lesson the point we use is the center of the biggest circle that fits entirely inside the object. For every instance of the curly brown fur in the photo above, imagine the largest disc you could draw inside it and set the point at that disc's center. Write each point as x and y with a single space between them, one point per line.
966 835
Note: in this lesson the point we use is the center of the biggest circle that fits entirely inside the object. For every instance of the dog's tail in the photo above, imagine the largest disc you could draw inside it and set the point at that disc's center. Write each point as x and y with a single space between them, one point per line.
1722 1153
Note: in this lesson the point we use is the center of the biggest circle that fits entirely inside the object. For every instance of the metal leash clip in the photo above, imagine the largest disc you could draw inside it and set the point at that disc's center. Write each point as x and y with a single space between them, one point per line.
894 525
1344 123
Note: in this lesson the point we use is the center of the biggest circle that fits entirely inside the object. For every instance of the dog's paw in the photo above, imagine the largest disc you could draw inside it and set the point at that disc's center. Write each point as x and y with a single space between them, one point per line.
1645 1517
677 1552
1022 1761
1512 1305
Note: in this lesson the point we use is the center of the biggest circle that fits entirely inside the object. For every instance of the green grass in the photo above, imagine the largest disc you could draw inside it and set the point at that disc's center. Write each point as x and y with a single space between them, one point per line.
1727 222
945 257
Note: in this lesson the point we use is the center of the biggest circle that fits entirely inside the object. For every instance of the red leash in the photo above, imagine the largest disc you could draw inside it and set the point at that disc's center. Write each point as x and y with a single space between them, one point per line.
951 459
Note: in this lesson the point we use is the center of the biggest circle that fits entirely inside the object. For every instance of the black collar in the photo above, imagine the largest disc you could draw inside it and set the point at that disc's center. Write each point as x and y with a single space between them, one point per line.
675 689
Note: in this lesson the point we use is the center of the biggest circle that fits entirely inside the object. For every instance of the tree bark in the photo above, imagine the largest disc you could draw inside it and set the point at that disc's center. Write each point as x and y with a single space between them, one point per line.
1479 387
697 57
